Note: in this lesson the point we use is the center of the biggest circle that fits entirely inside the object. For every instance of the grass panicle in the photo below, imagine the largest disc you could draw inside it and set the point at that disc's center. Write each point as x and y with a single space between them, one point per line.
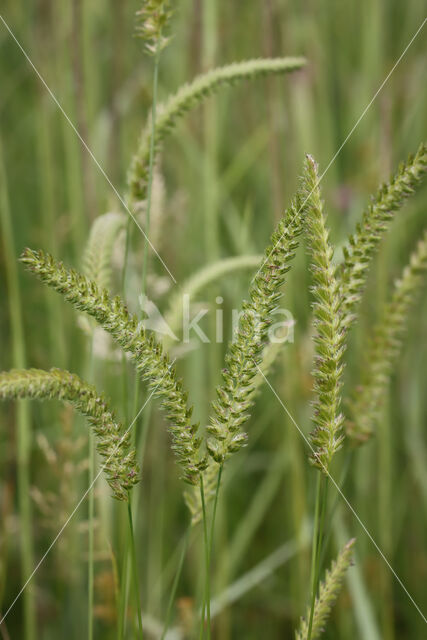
230 410
363 243
187 97
328 593
98 253
329 339
152 364
248 353
152 23
385 347
112 441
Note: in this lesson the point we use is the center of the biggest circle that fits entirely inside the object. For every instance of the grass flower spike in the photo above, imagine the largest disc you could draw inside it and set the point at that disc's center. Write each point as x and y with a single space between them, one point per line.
112 441
385 346
153 365
188 97
99 249
326 436
230 410
328 593
363 243
153 20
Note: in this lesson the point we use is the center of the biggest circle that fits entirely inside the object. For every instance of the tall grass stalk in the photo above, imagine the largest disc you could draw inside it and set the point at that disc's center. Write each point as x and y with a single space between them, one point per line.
206 606
145 419
91 506
148 209
208 546
150 169
91 512
319 519
23 415
135 573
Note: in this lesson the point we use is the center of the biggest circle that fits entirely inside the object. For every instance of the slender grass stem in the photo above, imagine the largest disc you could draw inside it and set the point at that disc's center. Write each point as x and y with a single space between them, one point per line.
208 542
176 581
150 170
144 274
135 570
91 536
91 506
148 210
314 551
348 464
123 598
214 511
321 530
206 608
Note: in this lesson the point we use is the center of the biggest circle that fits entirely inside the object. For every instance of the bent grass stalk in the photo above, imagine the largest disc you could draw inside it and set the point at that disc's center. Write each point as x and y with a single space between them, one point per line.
188 97
151 362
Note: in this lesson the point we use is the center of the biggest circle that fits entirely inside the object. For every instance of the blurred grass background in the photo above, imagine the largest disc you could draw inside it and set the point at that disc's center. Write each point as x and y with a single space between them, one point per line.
229 170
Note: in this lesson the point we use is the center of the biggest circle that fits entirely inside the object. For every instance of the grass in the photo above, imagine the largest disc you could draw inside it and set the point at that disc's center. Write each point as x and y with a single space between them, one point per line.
223 174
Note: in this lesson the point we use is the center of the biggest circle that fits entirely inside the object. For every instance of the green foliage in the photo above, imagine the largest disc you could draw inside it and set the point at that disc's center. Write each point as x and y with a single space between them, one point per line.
98 253
153 365
113 443
328 593
188 97
385 347
363 243
326 436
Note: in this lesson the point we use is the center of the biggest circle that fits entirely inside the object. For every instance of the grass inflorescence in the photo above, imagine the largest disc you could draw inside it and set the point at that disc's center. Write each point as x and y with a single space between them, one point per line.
246 497
113 442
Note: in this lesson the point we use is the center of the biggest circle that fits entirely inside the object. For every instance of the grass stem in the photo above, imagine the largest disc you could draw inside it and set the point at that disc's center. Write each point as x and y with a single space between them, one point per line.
208 543
135 570
91 537
176 581
319 516
150 171
206 608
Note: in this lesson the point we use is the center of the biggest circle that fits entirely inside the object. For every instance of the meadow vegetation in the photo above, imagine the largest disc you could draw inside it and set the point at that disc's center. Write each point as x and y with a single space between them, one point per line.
234 486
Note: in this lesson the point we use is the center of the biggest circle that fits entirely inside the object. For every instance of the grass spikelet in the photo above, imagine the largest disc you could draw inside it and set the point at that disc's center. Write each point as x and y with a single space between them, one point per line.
153 20
98 252
230 410
112 442
210 475
152 364
326 436
385 346
190 96
328 593
363 243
